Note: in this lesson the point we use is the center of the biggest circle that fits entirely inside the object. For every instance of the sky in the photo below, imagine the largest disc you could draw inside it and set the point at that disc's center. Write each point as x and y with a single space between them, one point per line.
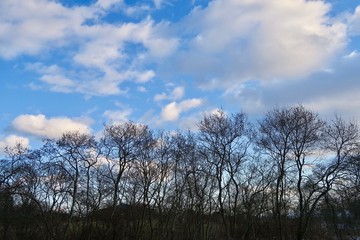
76 64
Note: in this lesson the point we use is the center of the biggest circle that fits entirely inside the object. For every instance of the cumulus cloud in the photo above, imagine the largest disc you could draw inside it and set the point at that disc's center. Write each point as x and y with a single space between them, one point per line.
13 141
234 41
41 126
172 111
27 27
106 53
103 54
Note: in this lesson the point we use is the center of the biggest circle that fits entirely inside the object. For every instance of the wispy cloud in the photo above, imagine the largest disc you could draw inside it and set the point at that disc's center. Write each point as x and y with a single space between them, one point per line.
354 22
176 94
106 4
118 116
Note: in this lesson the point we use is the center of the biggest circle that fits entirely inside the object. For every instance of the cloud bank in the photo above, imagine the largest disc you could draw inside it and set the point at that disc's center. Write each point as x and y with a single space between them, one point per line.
235 41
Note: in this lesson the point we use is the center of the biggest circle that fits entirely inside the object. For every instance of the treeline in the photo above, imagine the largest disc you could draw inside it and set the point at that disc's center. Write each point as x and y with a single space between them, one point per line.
291 175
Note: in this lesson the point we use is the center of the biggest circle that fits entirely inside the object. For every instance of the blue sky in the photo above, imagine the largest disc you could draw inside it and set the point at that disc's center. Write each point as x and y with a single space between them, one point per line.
76 64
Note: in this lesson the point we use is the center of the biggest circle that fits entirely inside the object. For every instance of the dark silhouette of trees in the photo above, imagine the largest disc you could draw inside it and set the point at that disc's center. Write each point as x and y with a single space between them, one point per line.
292 176
224 142
340 174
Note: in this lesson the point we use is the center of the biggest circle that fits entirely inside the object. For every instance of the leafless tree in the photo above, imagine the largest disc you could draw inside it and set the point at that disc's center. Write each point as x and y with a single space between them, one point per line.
225 141
71 153
11 170
290 136
224 181
342 141
274 139
120 147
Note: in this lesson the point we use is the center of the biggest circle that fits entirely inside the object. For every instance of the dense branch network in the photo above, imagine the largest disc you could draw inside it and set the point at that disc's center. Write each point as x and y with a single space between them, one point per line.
290 176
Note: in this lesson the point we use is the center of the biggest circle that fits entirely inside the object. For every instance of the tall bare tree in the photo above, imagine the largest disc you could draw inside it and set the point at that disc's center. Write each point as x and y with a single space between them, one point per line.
342 141
120 146
225 142
71 153
290 136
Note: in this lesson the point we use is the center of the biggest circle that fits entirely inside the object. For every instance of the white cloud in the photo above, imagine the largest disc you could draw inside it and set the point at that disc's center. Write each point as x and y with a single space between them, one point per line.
142 89
234 41
326 92
87 82
103 54
134 11
98 54
247 94
161 47
157 3
160 97
190 103
41 126
342 103
53 75
108 3
106 46
59 83
144 76
28 27
176 94
353 54
172 111
118 116
354 22
192 122
12 141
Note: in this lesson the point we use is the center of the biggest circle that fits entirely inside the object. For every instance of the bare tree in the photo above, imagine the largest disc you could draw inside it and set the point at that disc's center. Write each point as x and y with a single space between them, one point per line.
290 136
342 141
71 153
255 181
274 139
225 181
305 140
120 146
225 141
11 170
